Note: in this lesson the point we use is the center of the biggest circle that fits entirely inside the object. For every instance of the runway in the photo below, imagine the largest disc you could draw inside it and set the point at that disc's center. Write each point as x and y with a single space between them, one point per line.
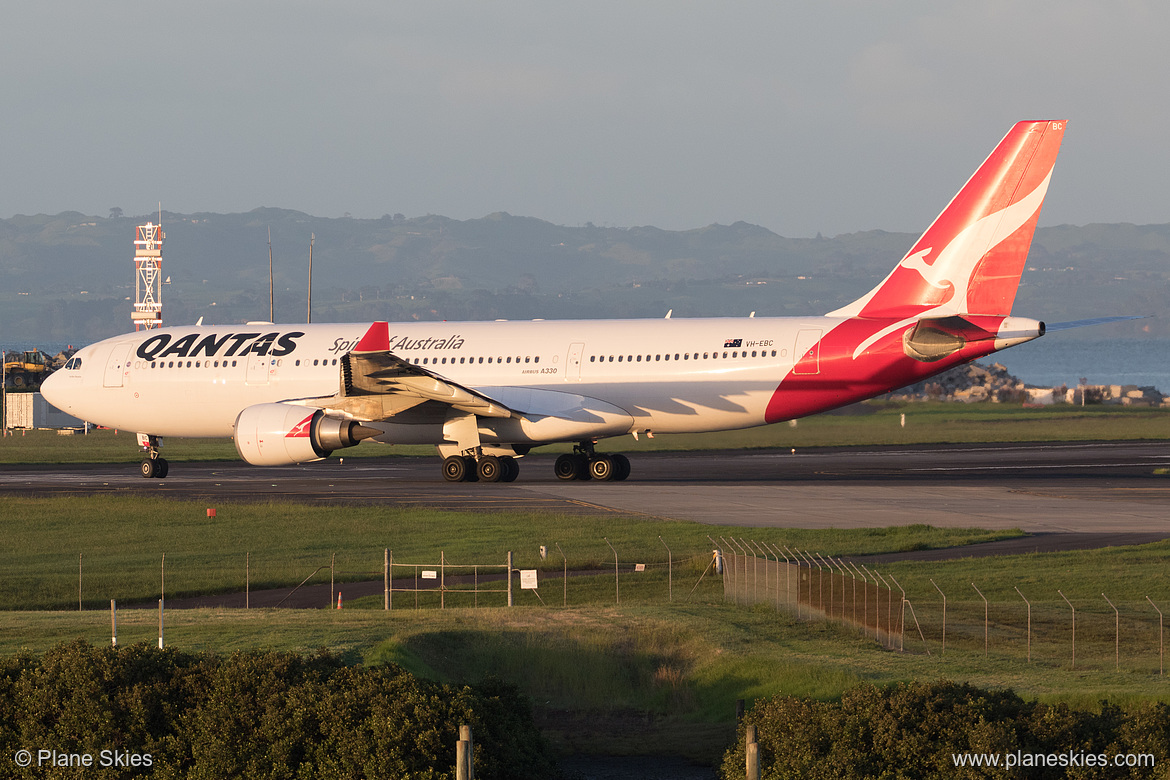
1106 488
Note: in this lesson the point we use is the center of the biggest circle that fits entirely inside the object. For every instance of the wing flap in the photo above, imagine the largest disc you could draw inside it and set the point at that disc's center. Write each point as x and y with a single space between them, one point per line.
382 373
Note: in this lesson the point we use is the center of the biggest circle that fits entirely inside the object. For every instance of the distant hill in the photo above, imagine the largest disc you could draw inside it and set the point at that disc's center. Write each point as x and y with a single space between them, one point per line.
69 277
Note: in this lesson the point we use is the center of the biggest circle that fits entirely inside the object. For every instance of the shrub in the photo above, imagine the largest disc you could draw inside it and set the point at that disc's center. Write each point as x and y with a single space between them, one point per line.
912 731
259 715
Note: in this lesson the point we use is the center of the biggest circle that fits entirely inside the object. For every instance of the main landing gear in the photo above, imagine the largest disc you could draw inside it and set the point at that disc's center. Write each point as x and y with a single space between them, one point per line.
585 463
154 465
487 468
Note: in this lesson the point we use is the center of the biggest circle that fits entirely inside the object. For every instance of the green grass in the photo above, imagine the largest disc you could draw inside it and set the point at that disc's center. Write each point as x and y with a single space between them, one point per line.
667 673
868 424
605 676
121 542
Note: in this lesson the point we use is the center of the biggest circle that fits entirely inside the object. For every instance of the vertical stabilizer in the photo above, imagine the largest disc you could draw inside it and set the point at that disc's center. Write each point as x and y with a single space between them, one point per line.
970 259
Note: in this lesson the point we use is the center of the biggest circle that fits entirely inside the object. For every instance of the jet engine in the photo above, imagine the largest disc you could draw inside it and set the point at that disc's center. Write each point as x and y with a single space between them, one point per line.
282 434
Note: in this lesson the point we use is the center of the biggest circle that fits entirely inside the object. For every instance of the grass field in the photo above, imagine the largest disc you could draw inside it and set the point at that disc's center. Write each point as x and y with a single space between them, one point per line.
667 667
866 424
648 674
121 543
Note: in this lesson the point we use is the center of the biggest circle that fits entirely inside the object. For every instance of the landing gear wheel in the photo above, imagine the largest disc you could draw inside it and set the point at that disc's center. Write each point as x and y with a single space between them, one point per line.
455 469
511 469
621 467
570 467
602 468
155 468
490 469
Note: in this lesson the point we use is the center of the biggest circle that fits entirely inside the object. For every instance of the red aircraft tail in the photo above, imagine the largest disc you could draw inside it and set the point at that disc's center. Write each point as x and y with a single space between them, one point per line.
970 259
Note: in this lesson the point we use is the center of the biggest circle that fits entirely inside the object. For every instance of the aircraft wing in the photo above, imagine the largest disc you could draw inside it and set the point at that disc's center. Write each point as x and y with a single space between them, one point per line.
379 386
398 385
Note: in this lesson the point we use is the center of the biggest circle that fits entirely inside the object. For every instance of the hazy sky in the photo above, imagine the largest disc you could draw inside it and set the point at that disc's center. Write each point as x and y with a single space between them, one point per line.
826 117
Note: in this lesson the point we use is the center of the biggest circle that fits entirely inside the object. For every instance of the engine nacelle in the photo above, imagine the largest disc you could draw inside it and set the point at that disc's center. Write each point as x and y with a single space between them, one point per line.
283 434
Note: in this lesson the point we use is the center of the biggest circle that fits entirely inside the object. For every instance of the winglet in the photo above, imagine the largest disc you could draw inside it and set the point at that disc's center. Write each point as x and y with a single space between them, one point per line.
377 339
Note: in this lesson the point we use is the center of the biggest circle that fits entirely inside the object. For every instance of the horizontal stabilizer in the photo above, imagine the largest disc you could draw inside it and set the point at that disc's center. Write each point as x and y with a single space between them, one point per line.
1051 326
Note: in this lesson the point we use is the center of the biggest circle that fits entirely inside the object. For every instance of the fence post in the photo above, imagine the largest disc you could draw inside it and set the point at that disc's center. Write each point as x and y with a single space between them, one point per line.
509 578
837 565
462 760
1074 627
617 595
845 568
1029 623
901 617
793 597
443 580
565 578
889 607
944 617
669 570
160 624
751 752
465 736
332 564
755 568
113 623
1160 657
832 584
1116 635
386 578
985 627
864 601
247 580
738 581
79 582
820 582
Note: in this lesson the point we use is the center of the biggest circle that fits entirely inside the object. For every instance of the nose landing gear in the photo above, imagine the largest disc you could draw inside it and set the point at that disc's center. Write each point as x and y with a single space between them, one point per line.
153 466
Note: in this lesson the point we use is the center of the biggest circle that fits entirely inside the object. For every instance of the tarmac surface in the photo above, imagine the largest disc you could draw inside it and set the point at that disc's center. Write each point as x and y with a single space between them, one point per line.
1110 489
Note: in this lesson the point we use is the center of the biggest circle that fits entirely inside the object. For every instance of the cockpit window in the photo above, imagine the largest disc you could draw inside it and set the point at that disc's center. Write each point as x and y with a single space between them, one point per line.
73 364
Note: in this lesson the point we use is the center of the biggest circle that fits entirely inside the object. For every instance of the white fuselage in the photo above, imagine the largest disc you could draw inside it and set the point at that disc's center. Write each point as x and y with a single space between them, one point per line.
667 375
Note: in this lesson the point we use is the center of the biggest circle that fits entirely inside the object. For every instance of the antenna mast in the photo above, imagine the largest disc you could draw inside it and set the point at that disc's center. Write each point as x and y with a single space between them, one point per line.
148 241
309 315
271 308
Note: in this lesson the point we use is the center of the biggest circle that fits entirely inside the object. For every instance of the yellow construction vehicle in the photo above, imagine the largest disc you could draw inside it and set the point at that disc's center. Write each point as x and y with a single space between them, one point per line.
24 370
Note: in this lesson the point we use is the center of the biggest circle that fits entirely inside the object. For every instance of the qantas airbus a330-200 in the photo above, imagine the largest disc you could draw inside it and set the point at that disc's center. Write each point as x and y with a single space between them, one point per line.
485 393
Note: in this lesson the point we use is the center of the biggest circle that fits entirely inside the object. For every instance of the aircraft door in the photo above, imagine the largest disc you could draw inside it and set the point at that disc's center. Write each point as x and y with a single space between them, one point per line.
117 366
573 362
807 352
259 369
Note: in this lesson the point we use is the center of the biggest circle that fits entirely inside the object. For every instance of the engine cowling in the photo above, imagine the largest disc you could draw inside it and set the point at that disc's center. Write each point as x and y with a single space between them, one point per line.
283 434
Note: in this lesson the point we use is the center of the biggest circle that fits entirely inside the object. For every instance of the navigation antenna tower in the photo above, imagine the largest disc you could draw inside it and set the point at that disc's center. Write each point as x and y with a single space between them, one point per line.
148 243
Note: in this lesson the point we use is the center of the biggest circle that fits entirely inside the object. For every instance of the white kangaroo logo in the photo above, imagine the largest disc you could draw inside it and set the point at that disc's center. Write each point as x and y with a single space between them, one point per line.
931 274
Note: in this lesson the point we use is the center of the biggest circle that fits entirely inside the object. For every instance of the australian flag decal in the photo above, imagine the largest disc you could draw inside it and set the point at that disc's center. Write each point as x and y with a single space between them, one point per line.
732 343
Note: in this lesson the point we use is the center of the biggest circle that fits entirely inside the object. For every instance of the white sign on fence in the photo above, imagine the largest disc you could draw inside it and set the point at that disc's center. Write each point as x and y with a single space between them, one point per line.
639 567
528 579
430 575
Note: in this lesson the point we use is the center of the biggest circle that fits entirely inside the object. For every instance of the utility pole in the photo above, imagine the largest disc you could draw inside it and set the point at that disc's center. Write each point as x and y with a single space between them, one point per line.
309 314
271 308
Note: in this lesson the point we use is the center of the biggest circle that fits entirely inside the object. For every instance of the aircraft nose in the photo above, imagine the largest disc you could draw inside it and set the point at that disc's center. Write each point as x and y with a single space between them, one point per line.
53 390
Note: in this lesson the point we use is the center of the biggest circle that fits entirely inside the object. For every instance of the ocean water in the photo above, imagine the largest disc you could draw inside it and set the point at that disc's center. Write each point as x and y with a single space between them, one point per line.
1058 359
1050 361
